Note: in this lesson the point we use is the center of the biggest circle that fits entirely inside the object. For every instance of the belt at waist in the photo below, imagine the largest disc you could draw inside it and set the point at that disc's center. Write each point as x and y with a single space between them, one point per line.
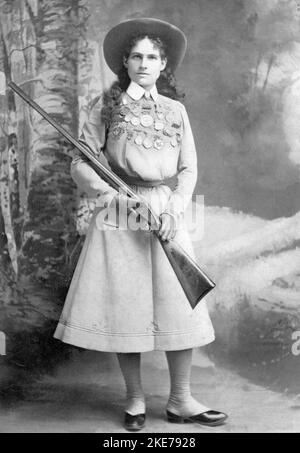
137 181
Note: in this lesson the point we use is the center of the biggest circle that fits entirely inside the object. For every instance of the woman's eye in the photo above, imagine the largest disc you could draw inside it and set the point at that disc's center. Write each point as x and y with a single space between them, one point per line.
138 57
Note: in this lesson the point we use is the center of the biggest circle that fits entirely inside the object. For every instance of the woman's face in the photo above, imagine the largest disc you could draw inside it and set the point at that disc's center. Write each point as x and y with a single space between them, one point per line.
144 63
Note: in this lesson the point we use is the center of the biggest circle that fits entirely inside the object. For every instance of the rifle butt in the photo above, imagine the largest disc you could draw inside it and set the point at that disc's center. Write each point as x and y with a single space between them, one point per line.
195 283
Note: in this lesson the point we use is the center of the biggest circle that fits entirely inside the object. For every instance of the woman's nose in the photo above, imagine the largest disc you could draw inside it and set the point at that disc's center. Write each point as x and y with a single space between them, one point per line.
143 62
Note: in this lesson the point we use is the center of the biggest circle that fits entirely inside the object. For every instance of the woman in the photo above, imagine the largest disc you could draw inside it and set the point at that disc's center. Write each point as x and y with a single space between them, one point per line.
124 296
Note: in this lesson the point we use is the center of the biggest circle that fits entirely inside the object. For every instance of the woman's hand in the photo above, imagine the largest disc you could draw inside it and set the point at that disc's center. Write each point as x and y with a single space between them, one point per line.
167 228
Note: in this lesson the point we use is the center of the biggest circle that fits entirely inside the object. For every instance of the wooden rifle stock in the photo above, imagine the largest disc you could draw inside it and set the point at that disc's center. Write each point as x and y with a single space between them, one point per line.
195 283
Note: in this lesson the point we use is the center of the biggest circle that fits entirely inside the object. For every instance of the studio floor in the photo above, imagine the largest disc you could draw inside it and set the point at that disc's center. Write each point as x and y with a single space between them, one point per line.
86 395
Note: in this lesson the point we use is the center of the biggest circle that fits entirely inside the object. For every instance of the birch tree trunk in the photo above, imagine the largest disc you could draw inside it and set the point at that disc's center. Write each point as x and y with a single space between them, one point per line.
50 227
39 50
17 59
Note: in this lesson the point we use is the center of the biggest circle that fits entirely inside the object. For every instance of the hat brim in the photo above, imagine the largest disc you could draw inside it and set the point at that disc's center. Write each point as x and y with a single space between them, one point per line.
117 39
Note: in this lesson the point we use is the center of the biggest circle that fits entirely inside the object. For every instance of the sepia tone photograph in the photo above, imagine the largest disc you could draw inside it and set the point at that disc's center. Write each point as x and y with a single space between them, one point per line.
149 217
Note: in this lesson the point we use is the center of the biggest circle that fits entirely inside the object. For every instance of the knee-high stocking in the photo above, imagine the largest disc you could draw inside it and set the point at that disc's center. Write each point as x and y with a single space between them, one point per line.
181 401
130 364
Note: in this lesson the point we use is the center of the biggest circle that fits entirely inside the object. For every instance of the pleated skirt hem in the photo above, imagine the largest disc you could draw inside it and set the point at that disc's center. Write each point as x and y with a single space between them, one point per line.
121 342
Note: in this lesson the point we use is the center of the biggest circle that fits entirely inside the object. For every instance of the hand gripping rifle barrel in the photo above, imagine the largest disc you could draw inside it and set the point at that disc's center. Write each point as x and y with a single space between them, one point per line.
195 283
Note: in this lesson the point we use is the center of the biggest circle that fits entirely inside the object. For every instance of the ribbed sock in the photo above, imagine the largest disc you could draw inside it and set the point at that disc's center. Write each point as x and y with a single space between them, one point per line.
181 401
130 364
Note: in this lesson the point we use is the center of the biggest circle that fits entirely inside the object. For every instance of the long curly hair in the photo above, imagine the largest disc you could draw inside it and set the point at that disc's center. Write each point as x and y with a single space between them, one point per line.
166 83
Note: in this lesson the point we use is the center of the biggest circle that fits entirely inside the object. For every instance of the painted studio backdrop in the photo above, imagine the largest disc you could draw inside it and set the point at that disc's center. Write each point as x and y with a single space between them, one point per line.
241 77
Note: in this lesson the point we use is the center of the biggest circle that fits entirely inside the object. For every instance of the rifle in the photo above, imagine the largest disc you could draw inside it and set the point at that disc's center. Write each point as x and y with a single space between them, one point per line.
195 283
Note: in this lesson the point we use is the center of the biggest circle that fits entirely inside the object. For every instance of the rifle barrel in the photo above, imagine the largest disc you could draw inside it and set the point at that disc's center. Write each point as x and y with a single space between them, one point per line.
195 283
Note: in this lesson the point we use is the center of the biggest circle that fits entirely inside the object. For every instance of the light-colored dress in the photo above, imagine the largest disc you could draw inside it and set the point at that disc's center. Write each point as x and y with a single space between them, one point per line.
124 295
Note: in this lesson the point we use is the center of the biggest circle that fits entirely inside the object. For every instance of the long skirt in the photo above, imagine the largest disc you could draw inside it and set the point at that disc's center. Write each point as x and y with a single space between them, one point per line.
124 295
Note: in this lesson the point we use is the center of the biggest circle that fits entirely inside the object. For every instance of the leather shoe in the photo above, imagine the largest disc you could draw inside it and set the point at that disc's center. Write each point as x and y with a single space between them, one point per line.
208 418
134 422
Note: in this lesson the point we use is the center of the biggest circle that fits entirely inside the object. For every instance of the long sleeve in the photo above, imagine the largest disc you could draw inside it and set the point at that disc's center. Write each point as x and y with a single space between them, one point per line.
187 171
93 135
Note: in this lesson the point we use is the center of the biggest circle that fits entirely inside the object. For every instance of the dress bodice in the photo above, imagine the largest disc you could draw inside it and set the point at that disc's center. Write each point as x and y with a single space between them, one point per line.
147 139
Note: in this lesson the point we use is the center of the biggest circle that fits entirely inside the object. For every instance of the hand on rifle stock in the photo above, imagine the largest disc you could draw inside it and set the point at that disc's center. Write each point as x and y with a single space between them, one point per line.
167 228
138 212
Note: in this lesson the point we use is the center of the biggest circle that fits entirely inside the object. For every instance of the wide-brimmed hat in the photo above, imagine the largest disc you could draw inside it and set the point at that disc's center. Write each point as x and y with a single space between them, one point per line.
117 39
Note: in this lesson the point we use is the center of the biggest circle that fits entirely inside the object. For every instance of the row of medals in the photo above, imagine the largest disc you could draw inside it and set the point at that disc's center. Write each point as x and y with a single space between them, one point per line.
136 115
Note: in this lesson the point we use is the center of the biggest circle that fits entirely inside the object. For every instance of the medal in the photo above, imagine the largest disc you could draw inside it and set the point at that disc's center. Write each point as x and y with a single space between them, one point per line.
158 143
124 111
135 121
146 120
127 118
170 117
169 132
173 141
147 143
135 109
118 130
158 125
147 105
138 140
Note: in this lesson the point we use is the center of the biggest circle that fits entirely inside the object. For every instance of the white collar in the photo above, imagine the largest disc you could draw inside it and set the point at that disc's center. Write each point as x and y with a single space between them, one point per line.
136 92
